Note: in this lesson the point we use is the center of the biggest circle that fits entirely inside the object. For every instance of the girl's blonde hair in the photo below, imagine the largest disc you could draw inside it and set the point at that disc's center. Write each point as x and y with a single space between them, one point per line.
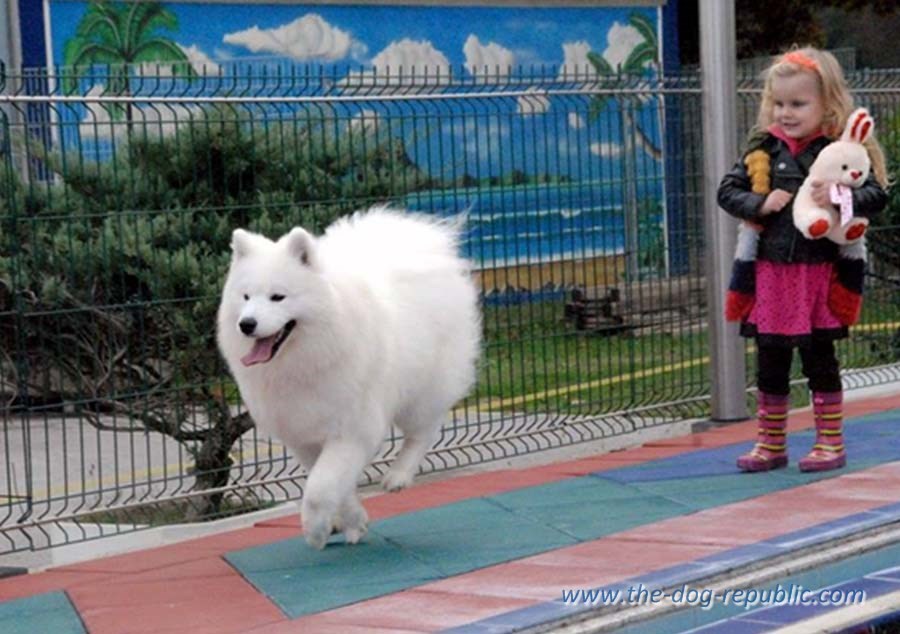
836 98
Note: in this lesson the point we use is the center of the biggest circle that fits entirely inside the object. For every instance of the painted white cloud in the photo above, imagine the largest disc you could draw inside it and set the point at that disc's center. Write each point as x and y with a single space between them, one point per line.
606 149
489 59
160 120
365 123
483 140
535 102
576 121
307 38
199 61
575 61
407 64
621 40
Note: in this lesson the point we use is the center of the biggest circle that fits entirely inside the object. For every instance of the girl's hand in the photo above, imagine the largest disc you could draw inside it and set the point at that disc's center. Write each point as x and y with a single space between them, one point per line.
818 191
775 202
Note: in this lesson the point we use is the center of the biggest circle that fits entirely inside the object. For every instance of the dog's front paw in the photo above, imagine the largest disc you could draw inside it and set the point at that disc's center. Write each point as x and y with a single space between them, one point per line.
396 480
355 534
317 526
317 534
353 521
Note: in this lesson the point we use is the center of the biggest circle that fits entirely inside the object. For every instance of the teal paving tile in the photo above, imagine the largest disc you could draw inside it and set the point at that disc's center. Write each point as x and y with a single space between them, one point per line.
301 580
710 491
50 612
587 490
463 551
592 521
466 515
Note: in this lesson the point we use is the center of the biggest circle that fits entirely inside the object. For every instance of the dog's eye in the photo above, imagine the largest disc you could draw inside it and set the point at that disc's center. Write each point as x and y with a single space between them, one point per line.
246 297
276 297
844 167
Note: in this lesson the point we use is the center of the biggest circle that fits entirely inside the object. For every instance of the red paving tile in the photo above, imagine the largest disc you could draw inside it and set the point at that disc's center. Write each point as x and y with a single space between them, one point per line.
293 627
413 609
623 557
522 579
184 617
21 586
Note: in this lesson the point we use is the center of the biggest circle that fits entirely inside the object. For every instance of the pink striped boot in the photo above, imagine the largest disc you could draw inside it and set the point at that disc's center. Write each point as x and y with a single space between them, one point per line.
828 452
770 450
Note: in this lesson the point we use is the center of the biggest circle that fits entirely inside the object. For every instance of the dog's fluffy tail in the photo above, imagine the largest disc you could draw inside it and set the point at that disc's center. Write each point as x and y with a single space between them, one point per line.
393 238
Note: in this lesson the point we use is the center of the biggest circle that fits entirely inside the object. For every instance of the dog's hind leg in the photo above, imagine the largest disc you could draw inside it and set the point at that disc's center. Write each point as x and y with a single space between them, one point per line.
416 444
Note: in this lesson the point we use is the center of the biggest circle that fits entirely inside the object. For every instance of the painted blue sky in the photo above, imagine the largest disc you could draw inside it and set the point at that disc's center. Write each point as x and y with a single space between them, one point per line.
358 38
214 33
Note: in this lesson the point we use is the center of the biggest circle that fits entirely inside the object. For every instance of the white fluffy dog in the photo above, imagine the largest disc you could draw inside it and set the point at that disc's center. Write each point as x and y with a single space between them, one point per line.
333 339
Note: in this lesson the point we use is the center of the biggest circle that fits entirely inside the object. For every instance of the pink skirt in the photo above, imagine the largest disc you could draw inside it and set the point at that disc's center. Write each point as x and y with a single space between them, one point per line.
792 303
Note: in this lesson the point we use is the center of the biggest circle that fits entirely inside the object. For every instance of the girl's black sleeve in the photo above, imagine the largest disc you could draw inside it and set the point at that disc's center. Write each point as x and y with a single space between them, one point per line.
869 198
735 197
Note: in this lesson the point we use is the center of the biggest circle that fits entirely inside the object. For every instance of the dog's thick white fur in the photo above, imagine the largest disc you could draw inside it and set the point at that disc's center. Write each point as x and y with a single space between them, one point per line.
333 339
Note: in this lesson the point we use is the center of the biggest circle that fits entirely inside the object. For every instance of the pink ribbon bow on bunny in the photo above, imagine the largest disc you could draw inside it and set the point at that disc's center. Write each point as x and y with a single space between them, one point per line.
842 196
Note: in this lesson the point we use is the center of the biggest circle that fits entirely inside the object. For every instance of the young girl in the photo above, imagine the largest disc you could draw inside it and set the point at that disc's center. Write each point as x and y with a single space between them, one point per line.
788 292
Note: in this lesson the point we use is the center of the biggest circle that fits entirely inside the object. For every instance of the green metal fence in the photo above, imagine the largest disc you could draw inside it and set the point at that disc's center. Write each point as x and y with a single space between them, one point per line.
120 191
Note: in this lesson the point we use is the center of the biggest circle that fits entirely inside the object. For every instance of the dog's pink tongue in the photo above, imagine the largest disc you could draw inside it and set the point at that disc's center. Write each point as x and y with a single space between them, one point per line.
261 352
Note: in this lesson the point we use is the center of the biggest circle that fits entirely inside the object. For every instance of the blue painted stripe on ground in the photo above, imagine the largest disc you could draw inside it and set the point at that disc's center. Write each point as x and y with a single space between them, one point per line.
48 612
860 573
453 539
686 573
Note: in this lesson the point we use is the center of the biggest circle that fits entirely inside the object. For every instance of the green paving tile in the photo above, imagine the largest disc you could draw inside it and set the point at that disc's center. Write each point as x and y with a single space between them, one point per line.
51 613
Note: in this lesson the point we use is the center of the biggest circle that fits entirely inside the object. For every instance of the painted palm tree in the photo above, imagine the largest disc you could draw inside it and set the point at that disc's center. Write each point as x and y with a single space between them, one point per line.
633 136
120 35
642 55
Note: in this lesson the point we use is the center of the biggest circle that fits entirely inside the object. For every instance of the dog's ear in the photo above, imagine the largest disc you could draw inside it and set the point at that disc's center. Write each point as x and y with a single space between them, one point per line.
302 245
241 243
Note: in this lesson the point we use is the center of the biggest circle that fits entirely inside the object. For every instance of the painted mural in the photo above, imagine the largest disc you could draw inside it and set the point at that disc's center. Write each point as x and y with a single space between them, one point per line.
567 171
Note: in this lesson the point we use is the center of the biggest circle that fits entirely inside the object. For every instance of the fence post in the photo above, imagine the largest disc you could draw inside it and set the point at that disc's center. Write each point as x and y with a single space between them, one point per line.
717 61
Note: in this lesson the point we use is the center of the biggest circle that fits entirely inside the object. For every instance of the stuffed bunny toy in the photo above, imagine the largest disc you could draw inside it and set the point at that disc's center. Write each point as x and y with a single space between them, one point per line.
844 163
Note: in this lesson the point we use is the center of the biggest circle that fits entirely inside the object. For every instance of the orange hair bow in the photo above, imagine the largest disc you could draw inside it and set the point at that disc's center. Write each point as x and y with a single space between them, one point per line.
798 58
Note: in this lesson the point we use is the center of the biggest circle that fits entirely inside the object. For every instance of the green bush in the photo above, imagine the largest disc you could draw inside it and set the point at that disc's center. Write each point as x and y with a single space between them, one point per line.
110 274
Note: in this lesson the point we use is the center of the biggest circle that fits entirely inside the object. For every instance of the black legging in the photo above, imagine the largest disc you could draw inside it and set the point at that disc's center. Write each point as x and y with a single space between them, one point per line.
820 366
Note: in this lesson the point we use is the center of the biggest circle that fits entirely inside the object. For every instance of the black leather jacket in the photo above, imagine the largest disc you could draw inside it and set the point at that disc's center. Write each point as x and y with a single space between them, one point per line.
779 240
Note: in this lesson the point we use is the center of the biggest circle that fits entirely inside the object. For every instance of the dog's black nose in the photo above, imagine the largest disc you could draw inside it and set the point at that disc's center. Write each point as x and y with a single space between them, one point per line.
247 326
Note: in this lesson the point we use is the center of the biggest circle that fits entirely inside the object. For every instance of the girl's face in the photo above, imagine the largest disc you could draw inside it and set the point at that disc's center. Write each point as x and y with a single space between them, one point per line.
797 105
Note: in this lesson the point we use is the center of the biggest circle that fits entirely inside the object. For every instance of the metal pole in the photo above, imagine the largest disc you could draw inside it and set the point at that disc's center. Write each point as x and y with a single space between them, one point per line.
717 60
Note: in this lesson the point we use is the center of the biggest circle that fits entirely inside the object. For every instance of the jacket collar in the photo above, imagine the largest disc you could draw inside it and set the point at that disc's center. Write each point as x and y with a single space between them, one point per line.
795 146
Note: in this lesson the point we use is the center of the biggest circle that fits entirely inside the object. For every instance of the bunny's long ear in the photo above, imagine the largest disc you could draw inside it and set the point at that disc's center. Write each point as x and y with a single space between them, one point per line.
859 126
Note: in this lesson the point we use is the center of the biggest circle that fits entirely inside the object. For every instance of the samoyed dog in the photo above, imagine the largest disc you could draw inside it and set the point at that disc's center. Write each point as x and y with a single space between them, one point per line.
333 339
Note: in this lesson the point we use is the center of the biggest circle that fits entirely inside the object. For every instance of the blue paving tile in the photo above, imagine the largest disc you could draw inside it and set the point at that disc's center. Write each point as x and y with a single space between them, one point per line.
518 619
891 574
829 530
727 626
49 612
787 614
